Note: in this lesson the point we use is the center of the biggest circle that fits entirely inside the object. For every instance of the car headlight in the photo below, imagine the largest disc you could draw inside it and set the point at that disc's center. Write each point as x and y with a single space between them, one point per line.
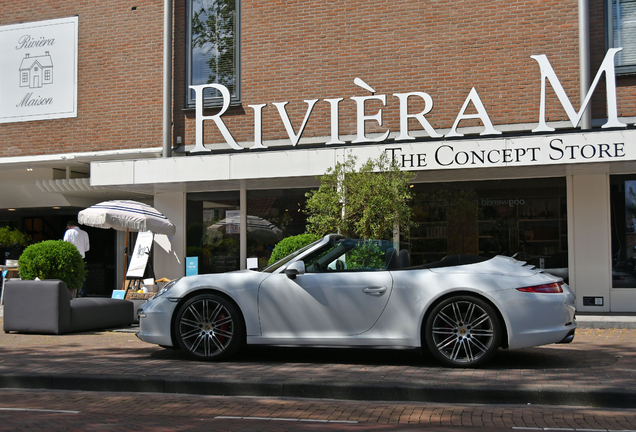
167 287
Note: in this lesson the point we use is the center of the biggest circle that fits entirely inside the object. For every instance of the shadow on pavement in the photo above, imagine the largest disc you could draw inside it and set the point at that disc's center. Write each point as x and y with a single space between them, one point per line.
531 358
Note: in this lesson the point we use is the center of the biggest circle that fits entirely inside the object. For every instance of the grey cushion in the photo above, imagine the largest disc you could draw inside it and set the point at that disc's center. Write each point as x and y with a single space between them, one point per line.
41 307
94 313
45 307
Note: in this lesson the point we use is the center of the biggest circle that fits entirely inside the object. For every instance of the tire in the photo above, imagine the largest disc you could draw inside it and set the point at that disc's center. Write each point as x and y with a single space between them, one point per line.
209 327
463 331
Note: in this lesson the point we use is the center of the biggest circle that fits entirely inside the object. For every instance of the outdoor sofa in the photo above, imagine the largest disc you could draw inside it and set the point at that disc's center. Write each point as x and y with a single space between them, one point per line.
46 307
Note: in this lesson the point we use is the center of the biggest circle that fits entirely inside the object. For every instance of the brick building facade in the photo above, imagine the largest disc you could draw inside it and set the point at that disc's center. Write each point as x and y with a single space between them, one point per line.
298 52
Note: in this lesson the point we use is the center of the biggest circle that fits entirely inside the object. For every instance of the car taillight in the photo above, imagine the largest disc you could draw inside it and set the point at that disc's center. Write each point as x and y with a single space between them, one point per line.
544 289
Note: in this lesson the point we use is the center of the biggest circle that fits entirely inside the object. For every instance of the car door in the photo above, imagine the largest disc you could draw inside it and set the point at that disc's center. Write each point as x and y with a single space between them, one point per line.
333 298
322 304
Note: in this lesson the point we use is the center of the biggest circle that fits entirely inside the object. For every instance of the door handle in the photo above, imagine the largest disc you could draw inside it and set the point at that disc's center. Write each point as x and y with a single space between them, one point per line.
374 290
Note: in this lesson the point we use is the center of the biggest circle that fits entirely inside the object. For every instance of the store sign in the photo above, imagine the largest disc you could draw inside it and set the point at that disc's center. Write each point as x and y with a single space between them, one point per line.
583 147
547 76
38 70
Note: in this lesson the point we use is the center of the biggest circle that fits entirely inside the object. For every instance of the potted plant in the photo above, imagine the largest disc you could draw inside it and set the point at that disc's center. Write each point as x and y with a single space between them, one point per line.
12 241
53 259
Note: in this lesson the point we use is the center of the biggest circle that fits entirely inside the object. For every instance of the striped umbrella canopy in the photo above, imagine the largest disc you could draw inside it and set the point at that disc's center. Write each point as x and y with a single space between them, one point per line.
126 215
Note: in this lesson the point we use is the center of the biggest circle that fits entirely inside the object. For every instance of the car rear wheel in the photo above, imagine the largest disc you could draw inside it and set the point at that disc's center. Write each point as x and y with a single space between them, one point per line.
463 331
209 327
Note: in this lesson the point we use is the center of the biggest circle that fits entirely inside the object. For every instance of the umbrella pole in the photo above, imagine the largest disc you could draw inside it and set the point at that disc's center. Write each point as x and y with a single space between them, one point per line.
125 263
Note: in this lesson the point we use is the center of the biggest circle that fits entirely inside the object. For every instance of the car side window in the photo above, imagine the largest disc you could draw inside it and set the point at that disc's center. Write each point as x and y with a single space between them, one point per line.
348 255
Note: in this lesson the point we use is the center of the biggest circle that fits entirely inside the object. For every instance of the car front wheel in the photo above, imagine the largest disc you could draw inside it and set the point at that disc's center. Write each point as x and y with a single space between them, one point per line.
209 327
463 331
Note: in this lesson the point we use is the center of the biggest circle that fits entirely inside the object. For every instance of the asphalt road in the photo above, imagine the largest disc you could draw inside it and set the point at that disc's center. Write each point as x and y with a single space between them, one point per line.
60 410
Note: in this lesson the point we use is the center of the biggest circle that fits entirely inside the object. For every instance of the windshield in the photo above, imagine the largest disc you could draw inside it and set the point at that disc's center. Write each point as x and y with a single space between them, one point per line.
350 255
278 264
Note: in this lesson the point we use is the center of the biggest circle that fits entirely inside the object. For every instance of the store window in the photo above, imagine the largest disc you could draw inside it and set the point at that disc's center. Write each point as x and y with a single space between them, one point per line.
622 32
273 214
623 214
213 226
213 44
525 219
212 232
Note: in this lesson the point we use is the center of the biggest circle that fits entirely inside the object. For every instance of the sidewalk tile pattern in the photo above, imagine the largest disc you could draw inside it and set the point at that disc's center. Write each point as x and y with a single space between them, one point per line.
596 369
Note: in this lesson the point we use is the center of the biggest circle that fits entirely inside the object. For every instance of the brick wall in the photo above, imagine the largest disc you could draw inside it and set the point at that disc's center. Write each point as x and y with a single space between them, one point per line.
297 50
119 78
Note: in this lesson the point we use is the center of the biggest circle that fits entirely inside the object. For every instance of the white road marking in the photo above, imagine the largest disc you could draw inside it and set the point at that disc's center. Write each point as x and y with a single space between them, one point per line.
572 429
284 419
40 410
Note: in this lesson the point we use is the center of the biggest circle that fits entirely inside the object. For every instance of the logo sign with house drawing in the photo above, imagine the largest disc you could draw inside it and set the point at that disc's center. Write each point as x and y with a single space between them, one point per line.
38 70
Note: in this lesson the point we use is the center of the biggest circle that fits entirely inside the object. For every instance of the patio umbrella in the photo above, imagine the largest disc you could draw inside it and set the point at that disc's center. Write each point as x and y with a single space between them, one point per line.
126 215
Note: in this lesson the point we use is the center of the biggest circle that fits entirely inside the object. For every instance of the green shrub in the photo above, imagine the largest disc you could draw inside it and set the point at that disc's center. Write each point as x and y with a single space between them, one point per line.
53 259
291 244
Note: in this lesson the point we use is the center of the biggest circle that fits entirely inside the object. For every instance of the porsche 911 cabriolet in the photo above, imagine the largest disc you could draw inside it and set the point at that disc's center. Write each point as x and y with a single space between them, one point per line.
341 292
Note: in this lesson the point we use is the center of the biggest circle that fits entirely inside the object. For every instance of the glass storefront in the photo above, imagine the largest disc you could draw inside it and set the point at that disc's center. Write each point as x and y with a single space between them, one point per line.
623 216
213 226
212 232
273 214
522 218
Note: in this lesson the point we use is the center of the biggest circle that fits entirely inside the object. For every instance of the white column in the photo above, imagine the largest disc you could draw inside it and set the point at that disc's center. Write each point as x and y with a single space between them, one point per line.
589 238
170 252
243 234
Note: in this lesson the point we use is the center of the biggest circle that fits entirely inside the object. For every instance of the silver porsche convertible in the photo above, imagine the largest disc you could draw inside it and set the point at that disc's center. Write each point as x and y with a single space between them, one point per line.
340 292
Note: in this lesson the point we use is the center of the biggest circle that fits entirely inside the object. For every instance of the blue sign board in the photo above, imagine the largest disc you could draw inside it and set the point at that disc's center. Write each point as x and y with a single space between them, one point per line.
118 294
192 266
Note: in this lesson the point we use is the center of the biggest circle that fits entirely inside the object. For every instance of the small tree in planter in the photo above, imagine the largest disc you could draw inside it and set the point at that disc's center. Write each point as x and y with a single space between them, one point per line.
367 203
53 259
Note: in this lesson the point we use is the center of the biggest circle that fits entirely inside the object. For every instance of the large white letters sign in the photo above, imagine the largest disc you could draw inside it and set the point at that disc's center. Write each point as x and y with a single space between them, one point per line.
547 76
38 70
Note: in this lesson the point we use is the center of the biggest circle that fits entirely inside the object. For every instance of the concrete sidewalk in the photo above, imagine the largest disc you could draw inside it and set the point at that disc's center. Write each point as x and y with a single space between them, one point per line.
597 369
606 320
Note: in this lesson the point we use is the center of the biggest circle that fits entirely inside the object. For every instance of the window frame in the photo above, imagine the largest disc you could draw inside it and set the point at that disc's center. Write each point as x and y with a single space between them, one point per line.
212 101
608 13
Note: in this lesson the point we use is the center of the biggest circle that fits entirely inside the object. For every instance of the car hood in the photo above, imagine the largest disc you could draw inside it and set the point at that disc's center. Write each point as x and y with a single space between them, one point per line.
501 265
235 280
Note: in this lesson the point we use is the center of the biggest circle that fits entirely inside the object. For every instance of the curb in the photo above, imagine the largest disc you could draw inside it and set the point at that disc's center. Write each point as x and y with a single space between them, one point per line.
606 325
380 391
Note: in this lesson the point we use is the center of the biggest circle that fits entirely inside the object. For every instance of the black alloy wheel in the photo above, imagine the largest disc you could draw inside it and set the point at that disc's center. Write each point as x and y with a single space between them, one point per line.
463 331
209 327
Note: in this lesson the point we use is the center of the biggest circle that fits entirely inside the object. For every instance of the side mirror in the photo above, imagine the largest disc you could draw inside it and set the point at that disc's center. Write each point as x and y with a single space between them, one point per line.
295 269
